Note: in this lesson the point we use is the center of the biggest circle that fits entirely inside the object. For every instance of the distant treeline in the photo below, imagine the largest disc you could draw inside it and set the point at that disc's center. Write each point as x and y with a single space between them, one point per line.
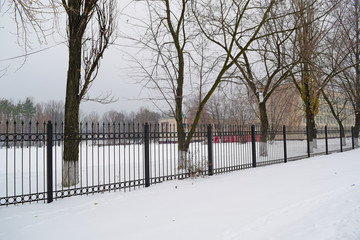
29 111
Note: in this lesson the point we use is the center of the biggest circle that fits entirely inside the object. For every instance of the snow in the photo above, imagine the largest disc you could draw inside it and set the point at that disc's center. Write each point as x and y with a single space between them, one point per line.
22 170
315 198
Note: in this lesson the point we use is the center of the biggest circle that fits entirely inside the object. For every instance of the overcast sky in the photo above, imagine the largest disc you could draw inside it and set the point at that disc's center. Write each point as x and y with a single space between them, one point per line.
43 76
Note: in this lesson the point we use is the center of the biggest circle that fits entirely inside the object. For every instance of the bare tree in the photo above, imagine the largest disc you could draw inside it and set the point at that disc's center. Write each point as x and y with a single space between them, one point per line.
145 115
348 19
30 18
92 117
175 33
191 107
337 103
337 59
218 107
283 109
113 116
269 52
90 27
314 71
232 105
171 39
54 110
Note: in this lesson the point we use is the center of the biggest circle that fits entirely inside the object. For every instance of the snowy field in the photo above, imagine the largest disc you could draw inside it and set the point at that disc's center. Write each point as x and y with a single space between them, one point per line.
22 170
316 198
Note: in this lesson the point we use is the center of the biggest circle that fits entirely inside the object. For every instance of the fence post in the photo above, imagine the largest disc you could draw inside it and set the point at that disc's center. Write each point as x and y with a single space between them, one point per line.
326 141
49 144
147 154
308 141
285 148
352 138
210 150
253 146
341 144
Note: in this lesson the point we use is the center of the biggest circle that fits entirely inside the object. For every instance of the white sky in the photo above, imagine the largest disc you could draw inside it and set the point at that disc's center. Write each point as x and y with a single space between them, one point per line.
43 77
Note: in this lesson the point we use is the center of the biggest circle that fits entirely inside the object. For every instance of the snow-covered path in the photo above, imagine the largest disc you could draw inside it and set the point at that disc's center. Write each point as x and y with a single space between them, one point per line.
316 198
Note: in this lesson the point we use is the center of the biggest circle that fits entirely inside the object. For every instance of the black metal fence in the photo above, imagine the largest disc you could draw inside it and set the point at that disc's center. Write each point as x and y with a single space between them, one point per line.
114 157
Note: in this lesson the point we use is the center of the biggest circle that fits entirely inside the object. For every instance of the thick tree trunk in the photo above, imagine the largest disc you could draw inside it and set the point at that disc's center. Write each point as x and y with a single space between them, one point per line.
309 109
310 124
76 29
72 105
264 127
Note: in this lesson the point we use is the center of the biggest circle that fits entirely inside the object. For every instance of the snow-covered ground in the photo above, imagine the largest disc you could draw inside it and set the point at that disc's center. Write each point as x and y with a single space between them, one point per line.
22 170
316 198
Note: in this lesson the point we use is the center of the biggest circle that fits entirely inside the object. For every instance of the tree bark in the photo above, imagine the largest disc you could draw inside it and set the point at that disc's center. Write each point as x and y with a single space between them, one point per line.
357 76
342 135
182 148
309 112
76 30
72 105
264 127
176 37
357 129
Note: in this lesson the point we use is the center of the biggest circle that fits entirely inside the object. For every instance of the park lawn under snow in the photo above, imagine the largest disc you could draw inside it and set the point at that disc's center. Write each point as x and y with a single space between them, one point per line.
316 198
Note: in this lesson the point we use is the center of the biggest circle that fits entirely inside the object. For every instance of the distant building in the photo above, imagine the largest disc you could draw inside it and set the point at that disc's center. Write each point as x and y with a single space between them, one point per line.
167 124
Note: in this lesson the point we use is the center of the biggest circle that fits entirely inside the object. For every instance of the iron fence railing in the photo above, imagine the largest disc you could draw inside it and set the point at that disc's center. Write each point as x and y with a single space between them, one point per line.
114 157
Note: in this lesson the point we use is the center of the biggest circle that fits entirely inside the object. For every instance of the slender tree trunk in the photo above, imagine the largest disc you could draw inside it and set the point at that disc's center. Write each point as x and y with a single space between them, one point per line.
176 36
264 127
357 129
337 118
357 90
342 130
357 107
357 76
182 148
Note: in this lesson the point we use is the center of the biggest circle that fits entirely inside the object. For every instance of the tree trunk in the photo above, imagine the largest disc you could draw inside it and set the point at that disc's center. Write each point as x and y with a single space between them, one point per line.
356 128
264 126
357 76
357 95
71 144
342 131
72 102
310 124
72 105
182 148
310 118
